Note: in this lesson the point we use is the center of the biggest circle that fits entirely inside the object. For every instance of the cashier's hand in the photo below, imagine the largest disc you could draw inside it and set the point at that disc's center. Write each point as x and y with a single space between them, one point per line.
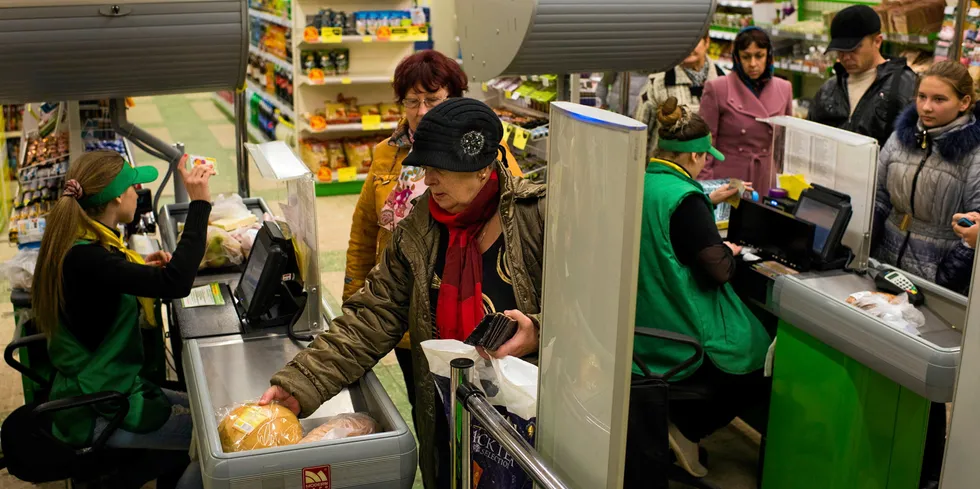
967 234
278 394
736 249
196 180
158 259
525 340
722 193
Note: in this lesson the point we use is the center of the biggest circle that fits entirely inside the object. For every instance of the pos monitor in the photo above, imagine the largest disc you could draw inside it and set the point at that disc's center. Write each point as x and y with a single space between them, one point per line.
269 292
830 212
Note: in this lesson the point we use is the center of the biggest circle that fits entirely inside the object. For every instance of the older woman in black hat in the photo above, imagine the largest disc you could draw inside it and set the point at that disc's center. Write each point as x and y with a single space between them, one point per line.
474 248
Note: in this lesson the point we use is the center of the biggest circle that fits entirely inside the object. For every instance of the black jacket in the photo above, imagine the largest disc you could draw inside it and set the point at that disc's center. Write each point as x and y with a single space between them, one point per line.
877 110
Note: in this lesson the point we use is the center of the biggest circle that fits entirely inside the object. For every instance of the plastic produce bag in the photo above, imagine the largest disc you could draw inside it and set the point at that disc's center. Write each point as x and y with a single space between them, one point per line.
246 237
511 386
249 426
893 310
343 425
19 270
231 207
222 250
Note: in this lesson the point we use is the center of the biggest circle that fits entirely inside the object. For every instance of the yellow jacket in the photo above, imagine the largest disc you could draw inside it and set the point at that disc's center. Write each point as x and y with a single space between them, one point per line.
367 238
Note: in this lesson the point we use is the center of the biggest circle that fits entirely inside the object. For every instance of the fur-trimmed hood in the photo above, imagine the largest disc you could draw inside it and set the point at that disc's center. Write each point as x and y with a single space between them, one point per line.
953 142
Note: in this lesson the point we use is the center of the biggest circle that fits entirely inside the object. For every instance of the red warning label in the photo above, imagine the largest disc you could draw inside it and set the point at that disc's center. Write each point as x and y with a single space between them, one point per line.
316 477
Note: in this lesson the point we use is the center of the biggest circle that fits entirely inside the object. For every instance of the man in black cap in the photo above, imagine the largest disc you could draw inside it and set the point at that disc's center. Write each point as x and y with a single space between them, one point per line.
869 90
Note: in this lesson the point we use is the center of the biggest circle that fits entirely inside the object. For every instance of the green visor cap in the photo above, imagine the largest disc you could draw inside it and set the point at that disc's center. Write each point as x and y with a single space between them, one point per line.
126 178
700 145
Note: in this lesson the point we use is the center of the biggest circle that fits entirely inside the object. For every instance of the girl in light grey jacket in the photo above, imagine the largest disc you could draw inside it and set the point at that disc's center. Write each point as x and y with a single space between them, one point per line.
929 170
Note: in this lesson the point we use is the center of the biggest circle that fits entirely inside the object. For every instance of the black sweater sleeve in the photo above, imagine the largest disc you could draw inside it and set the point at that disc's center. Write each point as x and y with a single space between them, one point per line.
697 244
110 272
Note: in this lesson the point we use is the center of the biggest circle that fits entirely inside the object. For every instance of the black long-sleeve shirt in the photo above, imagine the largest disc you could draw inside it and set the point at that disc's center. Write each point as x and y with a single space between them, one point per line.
697 244
94 279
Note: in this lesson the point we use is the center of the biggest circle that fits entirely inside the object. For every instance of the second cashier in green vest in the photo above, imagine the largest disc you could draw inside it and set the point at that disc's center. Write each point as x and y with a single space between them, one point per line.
685 269
93 298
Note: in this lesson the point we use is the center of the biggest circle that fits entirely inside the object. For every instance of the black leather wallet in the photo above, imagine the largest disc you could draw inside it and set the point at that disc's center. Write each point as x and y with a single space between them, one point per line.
493 331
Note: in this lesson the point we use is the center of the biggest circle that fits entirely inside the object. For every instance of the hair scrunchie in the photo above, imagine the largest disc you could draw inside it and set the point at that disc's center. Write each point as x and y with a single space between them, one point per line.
73 189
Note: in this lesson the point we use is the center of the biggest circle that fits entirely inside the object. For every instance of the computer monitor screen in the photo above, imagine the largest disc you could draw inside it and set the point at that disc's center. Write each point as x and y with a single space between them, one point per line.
822 215
773 232
253 271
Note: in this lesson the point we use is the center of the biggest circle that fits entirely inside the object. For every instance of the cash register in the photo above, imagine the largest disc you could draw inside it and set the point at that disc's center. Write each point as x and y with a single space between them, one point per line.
269 295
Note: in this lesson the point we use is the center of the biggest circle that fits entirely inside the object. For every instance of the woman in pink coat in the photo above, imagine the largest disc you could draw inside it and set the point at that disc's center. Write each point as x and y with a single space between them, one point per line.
731 104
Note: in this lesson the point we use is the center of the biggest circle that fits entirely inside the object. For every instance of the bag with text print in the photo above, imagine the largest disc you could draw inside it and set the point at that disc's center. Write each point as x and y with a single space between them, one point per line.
511 386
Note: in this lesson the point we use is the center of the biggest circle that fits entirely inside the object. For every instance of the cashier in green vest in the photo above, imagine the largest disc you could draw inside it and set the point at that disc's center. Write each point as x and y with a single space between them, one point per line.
684 274
93 298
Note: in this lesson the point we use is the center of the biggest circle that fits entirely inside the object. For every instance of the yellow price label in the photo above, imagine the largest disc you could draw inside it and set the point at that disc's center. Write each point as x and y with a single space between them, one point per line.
346 174
507 130
485 87
521 136
371 122
331 34
508 94
345 81
367 39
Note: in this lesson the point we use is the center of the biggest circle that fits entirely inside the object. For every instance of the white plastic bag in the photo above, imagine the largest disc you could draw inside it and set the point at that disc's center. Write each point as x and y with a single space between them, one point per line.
222 250
246 237
343 425
19 270
893 310
231 207
511 386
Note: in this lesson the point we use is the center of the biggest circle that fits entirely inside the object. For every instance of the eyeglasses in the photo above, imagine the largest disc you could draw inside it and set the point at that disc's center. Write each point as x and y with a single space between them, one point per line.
430 102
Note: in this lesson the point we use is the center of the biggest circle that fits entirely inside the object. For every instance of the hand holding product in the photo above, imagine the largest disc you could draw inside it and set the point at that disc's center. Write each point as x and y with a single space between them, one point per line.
196 180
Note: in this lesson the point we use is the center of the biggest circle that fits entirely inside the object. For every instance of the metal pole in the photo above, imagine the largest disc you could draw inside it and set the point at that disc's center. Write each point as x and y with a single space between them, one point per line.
575 88
515 444
956 45
624 93
460 441
241 137
562 87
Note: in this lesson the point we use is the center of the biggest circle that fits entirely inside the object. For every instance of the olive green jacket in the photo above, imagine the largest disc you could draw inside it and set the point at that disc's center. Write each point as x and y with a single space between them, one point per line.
395 299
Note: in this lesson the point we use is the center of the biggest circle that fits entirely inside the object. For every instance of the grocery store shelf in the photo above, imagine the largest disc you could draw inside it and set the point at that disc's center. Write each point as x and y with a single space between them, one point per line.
897 38
908 39
272 99
273 19
358 39
385 126
286 65
347 80
13 134
736 3
723 35
256 134
800 68
798 35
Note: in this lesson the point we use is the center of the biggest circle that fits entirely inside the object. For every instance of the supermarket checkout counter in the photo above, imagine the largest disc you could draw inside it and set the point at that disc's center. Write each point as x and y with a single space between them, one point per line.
234 335
851 392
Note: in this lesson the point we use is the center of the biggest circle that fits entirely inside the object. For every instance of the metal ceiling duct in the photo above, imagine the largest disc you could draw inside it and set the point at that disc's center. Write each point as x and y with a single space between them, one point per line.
86 49
525 37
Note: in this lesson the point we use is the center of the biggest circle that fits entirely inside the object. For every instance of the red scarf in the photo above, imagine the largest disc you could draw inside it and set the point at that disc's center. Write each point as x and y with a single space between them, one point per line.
460 307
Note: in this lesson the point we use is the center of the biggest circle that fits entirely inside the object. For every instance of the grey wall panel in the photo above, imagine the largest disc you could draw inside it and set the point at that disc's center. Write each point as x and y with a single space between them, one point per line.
561 36
53 51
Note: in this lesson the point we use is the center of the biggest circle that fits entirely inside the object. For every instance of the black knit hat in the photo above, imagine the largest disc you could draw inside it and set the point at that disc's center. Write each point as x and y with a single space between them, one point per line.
458 135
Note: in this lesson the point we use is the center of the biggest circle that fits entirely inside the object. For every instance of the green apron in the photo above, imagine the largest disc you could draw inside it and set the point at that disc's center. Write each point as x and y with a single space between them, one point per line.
669 298
117 365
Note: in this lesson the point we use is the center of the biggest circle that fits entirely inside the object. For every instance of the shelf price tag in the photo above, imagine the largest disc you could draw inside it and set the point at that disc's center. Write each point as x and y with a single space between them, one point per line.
316 76
331 34
371 122
485 87
508 94
346 174
521 137
507 130
345 81
367 39
310 34
383 33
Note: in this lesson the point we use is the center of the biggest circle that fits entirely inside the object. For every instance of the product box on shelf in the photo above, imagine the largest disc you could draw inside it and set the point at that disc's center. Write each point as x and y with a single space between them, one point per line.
331 159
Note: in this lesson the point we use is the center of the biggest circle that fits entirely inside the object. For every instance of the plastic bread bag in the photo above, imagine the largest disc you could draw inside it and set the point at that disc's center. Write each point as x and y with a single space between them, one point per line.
231 208
344 425
511 386
222 250
891 309
19 270
249 426
246 237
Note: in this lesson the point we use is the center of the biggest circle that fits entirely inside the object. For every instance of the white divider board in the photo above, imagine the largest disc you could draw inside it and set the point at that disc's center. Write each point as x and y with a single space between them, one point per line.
592 239
840 160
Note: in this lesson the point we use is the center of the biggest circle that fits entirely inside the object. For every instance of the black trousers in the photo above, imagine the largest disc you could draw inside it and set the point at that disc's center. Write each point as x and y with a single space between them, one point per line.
932 460
730 396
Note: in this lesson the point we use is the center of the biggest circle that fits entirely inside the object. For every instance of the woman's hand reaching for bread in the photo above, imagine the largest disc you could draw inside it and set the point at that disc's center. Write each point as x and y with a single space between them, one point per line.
278 394
196 180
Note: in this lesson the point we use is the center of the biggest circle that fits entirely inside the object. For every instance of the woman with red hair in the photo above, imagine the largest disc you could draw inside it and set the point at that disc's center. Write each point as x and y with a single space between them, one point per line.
422 81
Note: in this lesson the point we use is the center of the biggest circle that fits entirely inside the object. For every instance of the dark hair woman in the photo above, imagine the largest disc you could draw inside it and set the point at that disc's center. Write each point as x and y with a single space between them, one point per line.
731 106
422 81
472 247
92 297
683 286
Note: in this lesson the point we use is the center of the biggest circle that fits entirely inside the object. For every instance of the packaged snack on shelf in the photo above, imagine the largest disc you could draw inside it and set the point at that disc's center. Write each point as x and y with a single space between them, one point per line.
358 153
341 61
314 153
391 112
249 426
336 156
336 113
369 109
343 425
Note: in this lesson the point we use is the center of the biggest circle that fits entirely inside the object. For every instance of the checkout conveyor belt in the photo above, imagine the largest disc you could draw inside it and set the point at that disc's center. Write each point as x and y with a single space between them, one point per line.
924 363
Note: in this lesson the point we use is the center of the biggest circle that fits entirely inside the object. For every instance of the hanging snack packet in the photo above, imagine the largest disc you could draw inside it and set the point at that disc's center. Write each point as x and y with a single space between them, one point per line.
195 161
